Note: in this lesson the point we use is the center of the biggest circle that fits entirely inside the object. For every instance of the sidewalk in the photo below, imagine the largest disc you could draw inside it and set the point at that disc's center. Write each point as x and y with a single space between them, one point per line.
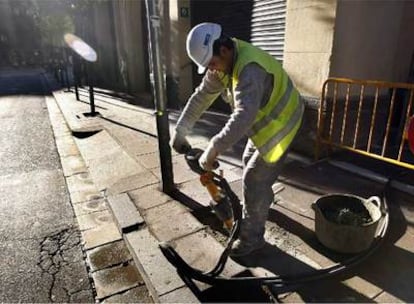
112 163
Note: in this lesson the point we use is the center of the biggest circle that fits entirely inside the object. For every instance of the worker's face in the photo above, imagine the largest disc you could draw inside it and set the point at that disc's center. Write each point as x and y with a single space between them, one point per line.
222 62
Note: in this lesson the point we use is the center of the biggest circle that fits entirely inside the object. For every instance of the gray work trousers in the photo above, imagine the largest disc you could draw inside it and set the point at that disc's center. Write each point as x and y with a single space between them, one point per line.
258 178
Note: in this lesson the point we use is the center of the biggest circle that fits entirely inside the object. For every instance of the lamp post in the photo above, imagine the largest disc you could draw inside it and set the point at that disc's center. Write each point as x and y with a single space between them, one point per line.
157 78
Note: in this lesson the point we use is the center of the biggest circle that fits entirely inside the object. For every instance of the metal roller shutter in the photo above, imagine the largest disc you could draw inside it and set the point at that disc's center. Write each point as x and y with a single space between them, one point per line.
234 16
268 26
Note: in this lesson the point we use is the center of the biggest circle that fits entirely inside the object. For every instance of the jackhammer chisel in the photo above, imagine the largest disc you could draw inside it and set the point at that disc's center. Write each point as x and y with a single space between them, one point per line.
222 197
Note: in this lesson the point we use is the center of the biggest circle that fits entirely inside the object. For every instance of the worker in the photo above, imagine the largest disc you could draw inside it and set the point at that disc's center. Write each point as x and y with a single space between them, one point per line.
265 106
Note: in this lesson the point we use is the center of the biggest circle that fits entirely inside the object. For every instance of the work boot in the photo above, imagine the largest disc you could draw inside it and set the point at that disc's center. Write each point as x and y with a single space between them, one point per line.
242 248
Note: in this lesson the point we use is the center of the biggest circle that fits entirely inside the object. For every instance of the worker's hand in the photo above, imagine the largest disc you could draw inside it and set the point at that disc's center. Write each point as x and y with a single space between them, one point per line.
207 159
180 143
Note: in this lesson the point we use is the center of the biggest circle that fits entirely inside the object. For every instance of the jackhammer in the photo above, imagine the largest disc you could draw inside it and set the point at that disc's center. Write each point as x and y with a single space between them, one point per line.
223 200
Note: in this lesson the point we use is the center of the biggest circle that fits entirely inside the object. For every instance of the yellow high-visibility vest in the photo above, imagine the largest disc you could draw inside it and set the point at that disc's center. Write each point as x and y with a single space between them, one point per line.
278 121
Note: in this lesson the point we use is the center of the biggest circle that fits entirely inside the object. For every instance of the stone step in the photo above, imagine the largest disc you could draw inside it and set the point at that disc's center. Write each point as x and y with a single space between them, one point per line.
74 115
112 169
125 212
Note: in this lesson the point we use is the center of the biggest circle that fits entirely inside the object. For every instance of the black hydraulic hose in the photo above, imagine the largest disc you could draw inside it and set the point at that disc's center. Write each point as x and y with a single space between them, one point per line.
212 277
225 255
237 214
278 281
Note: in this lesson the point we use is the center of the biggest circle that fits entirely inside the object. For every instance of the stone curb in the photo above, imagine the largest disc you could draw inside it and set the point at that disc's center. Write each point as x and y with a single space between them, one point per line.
126 214
127 219
97 227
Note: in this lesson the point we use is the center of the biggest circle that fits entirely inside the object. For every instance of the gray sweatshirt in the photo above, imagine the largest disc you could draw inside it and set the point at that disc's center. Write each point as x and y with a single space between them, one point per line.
252 92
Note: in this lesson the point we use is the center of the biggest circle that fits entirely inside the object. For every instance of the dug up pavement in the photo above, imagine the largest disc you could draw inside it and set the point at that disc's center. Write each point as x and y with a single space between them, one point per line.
111 163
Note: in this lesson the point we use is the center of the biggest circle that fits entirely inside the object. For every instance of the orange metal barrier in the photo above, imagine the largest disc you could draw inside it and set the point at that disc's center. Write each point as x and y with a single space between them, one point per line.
366 117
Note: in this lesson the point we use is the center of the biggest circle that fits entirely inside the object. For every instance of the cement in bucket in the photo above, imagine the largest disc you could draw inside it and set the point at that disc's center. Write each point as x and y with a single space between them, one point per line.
348 233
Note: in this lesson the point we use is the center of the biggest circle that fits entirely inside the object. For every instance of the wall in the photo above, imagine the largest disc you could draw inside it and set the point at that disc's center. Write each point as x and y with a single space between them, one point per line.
308 48
404 57
373 40
96 30
179 67
130 42
308 43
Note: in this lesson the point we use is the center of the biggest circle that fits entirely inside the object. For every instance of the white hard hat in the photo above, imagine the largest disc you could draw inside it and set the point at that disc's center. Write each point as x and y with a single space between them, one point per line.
200 43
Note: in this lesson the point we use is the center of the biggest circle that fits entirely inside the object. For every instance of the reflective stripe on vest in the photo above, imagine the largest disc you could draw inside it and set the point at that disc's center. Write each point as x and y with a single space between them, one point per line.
278 121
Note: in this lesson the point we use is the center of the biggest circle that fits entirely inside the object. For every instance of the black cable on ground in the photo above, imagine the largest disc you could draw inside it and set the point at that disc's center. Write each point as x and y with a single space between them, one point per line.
281 282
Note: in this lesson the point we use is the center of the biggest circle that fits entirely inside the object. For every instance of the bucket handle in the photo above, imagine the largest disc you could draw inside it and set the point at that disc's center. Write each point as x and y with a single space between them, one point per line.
375 200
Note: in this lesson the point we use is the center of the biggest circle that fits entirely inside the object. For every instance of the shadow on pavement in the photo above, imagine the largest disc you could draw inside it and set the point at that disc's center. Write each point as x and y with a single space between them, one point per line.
390 269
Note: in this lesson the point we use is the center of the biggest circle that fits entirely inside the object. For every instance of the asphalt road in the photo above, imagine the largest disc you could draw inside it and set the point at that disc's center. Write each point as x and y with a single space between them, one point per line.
40 249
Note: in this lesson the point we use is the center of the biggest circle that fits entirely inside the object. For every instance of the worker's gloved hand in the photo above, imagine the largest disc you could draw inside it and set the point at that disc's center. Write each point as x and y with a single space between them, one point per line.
207 159
180 144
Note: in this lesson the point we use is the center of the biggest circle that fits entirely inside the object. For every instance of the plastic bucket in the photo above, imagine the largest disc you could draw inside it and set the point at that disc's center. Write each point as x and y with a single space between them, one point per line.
338 228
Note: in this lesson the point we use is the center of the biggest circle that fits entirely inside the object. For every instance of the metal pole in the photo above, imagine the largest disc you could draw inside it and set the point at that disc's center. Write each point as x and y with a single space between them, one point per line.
76 78
66 68
67 77
76 89
157 78
92 100
90 82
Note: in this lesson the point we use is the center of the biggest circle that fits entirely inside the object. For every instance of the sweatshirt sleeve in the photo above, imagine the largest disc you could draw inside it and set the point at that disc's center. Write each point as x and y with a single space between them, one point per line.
252 87
204 95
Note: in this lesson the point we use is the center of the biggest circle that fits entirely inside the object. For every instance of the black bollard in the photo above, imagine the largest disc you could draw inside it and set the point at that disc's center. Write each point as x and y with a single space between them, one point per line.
92 101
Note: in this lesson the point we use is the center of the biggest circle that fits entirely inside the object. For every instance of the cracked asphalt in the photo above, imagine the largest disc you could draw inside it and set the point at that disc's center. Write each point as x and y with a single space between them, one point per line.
41 258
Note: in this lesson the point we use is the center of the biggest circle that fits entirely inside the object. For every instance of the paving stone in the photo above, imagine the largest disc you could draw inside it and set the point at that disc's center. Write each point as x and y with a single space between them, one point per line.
59 120
72 165
85 196
61 130
298 200
182 172
149 161
111 168
116 279
407 240
75 120
125 212
386 297
66 146
296 213
363 286
196 191
149 197
202 251
100 236
97 145
291 297
81 183
170 221
138 294
181 295
132 141
230 171
108 255
147 145
94 220
132 182
160 276
171 209
183 224
89 207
